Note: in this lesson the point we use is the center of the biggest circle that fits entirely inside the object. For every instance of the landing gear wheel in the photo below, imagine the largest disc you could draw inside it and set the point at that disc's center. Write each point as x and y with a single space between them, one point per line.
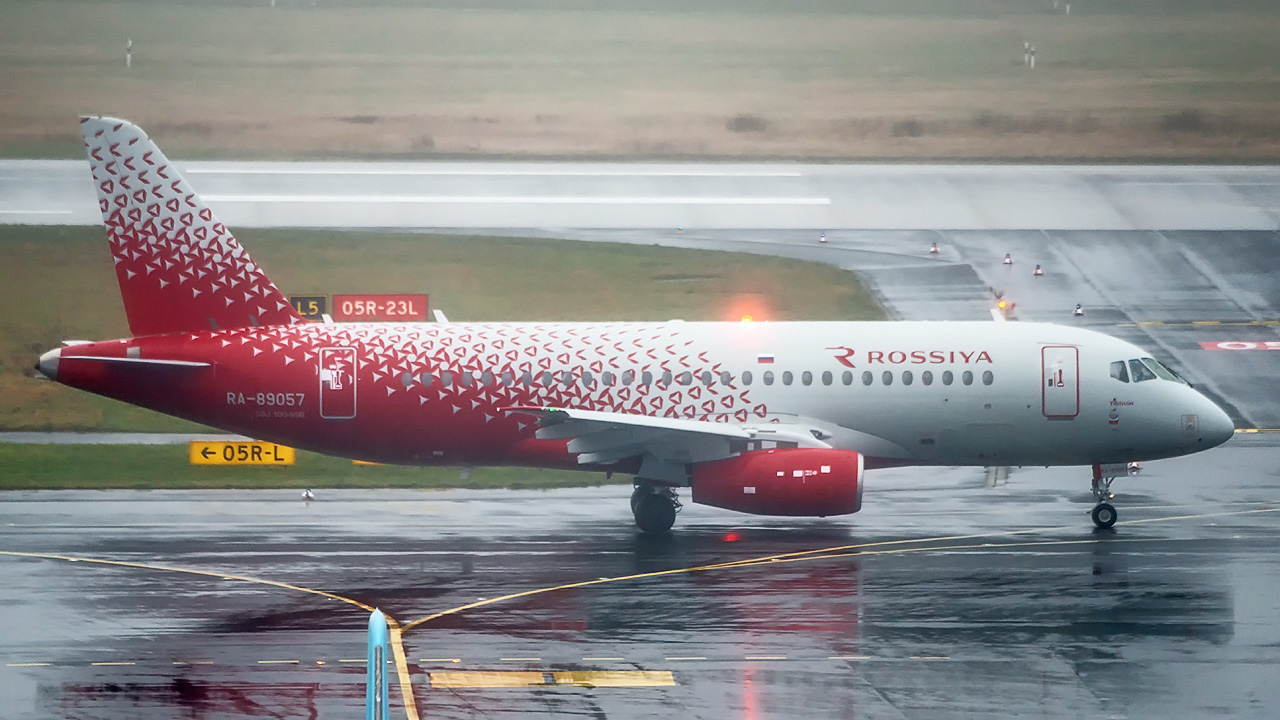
654 512
1104 516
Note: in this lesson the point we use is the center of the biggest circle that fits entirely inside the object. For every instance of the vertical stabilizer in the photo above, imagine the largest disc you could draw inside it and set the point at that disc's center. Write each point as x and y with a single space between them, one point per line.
179 269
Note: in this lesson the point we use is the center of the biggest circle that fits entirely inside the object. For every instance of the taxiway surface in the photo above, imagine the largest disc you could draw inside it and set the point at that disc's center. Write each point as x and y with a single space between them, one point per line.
951 595
948 596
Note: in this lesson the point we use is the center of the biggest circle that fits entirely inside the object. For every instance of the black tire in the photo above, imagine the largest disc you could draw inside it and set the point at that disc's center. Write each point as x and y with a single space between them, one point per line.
639 492
1104 516
654 513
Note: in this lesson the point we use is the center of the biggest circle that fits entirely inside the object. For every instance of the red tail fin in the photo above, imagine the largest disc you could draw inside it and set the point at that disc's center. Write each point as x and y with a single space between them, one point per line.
179 268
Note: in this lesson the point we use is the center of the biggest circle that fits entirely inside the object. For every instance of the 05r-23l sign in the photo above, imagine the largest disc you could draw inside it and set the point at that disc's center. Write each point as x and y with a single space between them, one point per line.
396 308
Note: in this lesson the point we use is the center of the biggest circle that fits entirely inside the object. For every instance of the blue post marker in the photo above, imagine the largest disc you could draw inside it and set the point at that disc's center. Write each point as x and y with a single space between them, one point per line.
376 704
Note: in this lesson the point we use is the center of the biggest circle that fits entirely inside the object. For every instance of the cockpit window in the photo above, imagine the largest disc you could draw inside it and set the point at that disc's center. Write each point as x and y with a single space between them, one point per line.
1119 372
1161 371
1140 371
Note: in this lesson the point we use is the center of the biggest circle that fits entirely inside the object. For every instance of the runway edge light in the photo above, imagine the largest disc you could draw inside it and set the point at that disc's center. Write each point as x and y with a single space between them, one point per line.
377 691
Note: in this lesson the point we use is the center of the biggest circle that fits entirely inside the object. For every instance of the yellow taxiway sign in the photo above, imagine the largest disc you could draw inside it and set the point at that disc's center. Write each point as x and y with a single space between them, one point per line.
240 453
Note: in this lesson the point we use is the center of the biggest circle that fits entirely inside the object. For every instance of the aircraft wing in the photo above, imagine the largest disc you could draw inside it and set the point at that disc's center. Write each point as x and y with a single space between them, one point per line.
607 437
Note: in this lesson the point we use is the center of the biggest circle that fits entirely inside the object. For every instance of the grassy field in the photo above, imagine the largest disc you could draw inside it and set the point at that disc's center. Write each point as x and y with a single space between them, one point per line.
60 285
145 467
830 79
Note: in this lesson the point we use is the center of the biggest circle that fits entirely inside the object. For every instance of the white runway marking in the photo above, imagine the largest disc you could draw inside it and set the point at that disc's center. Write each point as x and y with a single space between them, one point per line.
481 172
516 200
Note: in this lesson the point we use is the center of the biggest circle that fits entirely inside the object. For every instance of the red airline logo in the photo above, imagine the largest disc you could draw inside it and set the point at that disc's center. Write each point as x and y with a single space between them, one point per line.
1242 345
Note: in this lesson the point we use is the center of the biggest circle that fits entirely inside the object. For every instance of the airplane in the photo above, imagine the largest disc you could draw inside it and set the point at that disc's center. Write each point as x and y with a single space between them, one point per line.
769 418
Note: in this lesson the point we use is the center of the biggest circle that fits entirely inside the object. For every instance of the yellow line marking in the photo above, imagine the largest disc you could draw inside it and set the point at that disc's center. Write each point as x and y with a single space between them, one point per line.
766 657
840 551
686 657
849 657
601 659
528 659
29 664
489 679
192 662
1205 322
277 662
113 663
1251 431
397 645
615 678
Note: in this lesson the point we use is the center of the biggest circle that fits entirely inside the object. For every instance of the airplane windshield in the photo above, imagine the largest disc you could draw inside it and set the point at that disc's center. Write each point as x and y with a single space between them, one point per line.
1119 372
1161 371
1140 372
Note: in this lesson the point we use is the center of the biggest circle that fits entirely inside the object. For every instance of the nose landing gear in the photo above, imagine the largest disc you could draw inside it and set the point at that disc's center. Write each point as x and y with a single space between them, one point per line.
654 507
1103 514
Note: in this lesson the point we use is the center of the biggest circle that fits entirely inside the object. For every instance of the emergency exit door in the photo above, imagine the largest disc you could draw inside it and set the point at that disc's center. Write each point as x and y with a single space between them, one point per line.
1060 381
337 383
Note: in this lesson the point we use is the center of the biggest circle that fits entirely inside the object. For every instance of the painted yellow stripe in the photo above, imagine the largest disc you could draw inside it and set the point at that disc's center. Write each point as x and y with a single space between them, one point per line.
1205 322
113 663
487 679
192 662
619 678
29 664
1251 431
402 667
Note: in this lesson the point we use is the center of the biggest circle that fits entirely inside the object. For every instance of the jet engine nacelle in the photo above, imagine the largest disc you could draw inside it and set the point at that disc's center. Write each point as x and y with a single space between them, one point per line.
799 481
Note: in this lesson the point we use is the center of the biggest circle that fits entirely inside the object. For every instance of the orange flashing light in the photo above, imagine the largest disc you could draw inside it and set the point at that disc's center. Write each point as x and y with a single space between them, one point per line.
747 318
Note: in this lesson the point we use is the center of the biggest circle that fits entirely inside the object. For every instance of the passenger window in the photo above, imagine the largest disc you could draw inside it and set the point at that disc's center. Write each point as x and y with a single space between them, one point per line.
628 377
708 378
446 378
746 378
725 378
887 378
806 377
467 378
587 378
546 378
768 377
947 377
867 377
486 378
1119 372
787 377
428 379
926 377
666 378
846 377
826 378
685 378
646 378
526 378
988 378
406 379
607 378
566 378
508 378
1140 372
907 377
967 378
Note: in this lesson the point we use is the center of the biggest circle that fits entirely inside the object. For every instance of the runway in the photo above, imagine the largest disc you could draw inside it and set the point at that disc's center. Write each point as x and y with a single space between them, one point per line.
944 597
951 594
695 196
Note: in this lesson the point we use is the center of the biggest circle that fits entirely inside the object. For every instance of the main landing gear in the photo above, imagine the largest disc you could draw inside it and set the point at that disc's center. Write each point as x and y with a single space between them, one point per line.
1103 514
654 507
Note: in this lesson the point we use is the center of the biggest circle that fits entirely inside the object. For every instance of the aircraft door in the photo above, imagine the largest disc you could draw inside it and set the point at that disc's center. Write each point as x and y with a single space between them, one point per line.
1060 381
337 383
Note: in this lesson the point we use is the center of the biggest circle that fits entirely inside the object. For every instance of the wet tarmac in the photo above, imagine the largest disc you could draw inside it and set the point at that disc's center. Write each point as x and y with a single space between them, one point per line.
945 597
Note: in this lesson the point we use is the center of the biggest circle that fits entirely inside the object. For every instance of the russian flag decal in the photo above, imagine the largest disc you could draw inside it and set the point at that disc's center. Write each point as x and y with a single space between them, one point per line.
765 359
